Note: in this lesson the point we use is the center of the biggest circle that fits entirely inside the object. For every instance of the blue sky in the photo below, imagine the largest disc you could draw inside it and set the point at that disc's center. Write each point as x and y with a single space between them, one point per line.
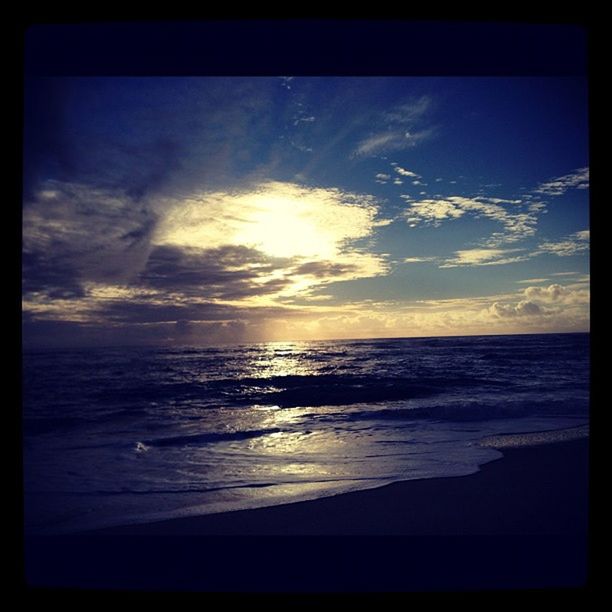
208 210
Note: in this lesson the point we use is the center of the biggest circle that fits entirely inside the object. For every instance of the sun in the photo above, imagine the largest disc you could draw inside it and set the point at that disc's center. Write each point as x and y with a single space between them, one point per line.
282 220
283 226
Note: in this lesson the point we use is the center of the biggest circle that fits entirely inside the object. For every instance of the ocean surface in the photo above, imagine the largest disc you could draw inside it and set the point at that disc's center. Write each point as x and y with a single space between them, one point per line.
113 436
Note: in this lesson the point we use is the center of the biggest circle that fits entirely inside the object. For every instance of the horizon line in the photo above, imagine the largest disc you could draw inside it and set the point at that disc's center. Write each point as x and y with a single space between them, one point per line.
25 349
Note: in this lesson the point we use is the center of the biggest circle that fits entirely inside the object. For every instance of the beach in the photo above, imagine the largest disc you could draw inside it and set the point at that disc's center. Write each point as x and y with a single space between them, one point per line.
519 522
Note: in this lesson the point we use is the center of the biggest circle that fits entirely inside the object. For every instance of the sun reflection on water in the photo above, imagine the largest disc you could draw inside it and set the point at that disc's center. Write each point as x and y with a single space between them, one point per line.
281 359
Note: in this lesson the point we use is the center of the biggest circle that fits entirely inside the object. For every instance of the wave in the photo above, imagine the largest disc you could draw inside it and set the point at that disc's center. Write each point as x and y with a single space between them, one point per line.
467 412
206 438
294 390
338 390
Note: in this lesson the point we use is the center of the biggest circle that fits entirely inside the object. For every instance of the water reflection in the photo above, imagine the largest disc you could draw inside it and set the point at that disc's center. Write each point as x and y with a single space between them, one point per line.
281 359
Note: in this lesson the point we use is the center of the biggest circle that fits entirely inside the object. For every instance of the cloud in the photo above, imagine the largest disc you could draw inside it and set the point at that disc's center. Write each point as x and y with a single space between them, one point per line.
573 245
419 259
518 222
483 257
556 293
579 179
409 112
521 309
532 280
325 269
548 300
397 129
306 119
95 257
224 273
280 219
404 172
433 211
73 234
384 142
382 178
505 313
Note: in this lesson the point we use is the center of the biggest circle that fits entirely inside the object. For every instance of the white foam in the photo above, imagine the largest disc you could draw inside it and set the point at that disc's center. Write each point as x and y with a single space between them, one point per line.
535 438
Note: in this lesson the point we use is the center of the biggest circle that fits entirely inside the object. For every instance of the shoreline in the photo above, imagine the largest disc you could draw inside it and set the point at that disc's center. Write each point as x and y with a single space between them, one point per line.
540 488
519 523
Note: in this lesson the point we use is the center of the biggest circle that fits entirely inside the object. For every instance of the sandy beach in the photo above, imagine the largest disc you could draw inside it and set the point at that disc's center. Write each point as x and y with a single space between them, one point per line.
520 522
531 490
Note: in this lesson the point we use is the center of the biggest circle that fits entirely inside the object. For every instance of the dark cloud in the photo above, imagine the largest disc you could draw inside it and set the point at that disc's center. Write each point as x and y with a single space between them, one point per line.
72 235
323 269
137 311
50 274
227 272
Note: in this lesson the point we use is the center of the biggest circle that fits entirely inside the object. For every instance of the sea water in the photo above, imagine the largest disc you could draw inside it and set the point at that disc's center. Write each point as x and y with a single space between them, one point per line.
115 436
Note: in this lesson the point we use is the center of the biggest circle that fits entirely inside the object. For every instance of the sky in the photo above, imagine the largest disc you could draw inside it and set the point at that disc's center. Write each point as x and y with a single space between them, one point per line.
212 210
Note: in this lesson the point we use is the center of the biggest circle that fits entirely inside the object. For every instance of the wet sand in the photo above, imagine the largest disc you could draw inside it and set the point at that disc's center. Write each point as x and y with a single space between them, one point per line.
520 522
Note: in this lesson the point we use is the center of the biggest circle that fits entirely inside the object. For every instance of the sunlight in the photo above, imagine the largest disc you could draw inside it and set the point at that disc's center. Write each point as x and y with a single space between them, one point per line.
279 219
283 227
281 359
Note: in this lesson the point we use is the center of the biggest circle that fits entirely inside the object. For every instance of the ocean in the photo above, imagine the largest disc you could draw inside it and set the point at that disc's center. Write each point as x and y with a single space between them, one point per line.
114 436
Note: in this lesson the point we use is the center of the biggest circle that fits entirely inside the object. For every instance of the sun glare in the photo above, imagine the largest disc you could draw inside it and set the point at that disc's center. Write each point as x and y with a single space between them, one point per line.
281 227
279 219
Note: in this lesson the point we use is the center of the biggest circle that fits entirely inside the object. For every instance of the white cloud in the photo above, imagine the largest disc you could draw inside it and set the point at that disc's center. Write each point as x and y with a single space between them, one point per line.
558 294
483 257
399 128
522 308
517 222
532 281
375 143
549 294
579 179
553 306
398 181
419 259
410 112
432 211
281 219
383 142
382 178
573 245
405 172
506 313
304 120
